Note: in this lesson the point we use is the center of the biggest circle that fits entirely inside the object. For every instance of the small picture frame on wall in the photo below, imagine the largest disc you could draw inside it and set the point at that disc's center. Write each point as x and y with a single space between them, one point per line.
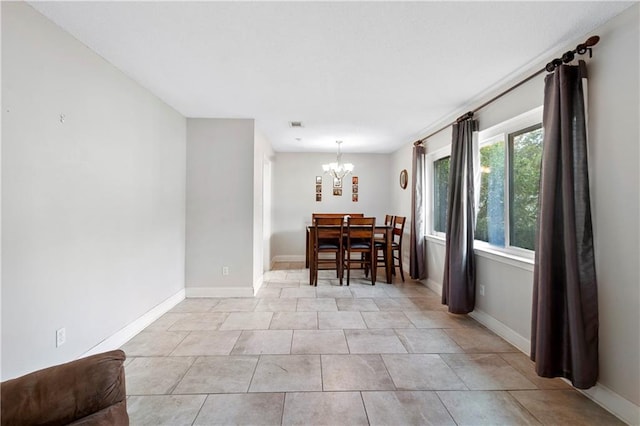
337 192
354 197
354 180
319 180
318 197
337 183
354 189
318 188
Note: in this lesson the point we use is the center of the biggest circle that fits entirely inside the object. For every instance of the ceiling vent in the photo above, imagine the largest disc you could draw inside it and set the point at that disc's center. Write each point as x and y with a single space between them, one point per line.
295 124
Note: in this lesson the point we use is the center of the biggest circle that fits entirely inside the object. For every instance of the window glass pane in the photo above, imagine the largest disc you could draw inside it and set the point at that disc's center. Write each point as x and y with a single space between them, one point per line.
526 155
490 219
440 193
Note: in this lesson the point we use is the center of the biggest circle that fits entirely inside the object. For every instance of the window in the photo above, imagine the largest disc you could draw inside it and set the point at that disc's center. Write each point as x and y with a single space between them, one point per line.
490 216
437 190
510 156
440 192
525 152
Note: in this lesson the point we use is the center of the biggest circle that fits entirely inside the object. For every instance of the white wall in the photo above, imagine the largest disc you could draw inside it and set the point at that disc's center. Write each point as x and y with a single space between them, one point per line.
220 207
401 198
93 207
614 111
261 207
294 201
615 189
435 247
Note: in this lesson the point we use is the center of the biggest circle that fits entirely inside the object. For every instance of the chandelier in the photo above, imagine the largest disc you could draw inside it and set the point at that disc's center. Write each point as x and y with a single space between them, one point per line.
338 169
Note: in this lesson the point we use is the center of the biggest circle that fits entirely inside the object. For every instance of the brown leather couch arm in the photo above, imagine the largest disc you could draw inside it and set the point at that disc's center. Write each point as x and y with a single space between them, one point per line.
89 390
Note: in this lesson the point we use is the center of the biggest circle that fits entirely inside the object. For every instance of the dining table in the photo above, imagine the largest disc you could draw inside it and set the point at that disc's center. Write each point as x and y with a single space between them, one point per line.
384 230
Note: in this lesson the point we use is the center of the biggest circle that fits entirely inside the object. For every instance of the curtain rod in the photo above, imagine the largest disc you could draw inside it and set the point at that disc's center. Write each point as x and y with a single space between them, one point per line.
567 57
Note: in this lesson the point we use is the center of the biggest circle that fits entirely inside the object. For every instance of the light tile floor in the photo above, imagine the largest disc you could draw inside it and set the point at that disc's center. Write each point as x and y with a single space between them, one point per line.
331 355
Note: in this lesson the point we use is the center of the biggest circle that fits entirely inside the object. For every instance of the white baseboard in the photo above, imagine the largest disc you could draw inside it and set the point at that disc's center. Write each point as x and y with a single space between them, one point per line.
601 395
620 407
431 284
288 258
125 334
502 330
258 284
219 291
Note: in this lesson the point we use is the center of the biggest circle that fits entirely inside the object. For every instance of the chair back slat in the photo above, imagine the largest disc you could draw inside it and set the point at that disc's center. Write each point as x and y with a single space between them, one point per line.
334 215
361 227
328 227
398 229
360 239
398 226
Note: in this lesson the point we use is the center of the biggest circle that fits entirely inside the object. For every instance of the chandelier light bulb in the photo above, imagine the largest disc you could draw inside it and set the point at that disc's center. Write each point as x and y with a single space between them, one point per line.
338 169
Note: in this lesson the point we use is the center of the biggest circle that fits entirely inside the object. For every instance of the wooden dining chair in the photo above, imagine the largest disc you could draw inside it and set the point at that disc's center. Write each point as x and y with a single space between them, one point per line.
379 238
396 244
308 255
360 242
328 240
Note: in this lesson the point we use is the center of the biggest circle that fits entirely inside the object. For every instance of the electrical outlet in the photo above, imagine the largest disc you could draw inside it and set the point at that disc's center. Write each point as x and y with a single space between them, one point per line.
61 337
225 270
481 290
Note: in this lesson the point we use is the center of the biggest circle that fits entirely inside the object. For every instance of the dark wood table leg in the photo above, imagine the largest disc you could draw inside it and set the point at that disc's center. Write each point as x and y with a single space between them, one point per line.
306 254
310 239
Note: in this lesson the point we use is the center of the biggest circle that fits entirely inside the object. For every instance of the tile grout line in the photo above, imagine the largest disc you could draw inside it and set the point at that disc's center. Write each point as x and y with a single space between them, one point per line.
253 374
364 406
522 405
174 387
200 409
445 406
421 305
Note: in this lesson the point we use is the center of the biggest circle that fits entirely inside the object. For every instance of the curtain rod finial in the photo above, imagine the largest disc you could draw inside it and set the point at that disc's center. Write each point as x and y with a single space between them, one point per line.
592 41
582 48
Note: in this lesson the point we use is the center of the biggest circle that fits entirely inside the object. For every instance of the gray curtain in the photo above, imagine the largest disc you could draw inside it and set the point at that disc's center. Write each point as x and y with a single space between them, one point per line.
459 280
417 262
564 335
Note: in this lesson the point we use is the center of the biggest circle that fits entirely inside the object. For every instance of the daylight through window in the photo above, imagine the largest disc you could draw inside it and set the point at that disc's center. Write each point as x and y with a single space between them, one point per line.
440 193
510 157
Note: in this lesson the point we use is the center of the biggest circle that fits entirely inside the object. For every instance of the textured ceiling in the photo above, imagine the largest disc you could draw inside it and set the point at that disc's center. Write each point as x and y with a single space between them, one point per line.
373 74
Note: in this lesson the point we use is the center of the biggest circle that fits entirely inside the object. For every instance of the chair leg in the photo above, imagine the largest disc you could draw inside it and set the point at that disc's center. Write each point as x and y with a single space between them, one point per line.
364 264
384 256
374 264
400 263
388 262
393 263
314 269
348 263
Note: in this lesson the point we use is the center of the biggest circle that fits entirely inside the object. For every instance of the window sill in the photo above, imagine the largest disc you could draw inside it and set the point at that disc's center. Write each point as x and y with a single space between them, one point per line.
435 239
492 254
504 257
